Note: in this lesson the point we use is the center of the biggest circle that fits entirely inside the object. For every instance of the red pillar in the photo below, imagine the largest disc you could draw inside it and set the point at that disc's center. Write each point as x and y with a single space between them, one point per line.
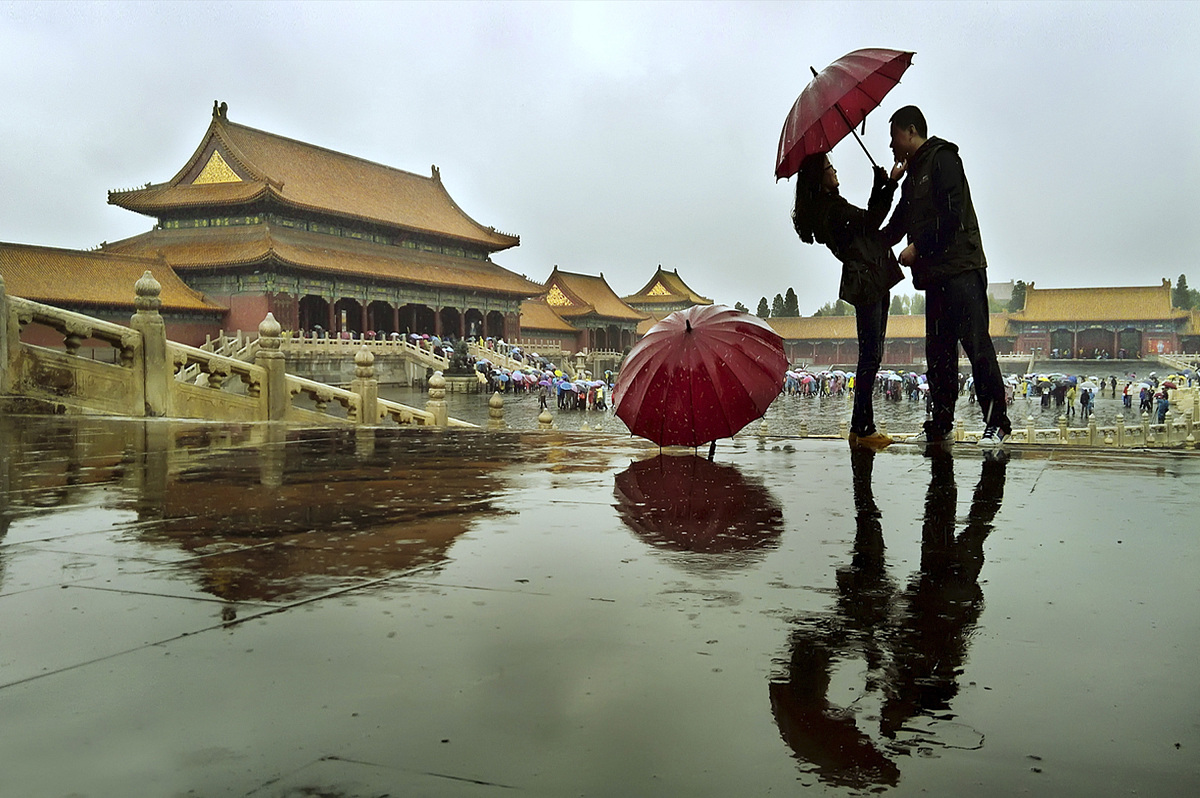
332 321
366 322
396 319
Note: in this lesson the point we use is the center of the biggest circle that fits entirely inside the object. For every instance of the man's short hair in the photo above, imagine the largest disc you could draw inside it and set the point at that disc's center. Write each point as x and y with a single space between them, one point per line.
911 115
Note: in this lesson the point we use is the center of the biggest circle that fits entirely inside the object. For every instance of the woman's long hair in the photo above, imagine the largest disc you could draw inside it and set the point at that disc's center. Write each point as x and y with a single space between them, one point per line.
808 215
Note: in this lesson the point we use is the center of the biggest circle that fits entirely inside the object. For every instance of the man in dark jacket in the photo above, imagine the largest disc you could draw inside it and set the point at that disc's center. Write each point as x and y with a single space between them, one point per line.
945 253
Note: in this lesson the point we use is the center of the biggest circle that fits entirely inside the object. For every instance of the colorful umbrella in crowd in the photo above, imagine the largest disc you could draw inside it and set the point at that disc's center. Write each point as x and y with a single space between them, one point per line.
698 375
837 99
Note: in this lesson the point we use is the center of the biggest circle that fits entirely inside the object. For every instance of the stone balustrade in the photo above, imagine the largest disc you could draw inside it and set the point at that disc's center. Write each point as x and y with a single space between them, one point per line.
152 376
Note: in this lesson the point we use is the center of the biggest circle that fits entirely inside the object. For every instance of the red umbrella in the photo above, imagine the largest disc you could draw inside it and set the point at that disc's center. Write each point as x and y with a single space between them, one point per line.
835 101
700 374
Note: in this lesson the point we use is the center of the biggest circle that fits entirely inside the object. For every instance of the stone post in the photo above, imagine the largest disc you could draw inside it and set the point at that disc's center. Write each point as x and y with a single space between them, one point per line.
882 427
545 420
1120 431
843 429
1189 442
1147 438
4 340
959 434
274 395
1030 432
496 411
437 399
803 429
366 386
154 372
1092 430
1062 429
1168 421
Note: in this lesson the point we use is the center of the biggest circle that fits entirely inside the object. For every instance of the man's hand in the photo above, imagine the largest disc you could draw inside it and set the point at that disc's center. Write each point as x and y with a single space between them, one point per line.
898 169
908 255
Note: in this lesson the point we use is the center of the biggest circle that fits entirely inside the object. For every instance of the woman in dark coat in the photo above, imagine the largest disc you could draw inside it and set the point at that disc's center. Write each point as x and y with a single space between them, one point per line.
869 269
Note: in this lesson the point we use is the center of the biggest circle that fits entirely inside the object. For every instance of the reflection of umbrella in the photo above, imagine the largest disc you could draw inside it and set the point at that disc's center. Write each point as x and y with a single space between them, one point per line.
698 375
835 101
692 504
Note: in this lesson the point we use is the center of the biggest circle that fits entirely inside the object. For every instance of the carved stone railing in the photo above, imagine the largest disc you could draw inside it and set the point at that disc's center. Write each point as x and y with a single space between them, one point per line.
145 379
379 347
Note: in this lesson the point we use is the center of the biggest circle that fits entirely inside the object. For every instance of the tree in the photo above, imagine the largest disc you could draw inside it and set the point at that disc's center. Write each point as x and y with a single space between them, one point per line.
843 308
738 306
899 306
917 305
763 312
1181 297
1017 302
777 306
791 305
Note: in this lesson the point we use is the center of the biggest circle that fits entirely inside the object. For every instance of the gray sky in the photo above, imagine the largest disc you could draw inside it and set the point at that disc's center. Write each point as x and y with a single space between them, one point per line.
614 137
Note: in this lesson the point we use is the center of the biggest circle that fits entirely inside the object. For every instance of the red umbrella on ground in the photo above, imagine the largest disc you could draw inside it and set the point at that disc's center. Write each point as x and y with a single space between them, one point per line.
700 374
837 99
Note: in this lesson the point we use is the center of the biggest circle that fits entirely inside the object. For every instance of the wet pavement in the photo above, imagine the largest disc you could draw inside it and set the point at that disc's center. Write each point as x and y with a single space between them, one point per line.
255 611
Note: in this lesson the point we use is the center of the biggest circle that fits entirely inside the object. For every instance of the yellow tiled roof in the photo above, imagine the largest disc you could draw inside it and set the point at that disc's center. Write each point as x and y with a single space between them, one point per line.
834 328
1135 303
223 247
666 287
588 295
97 279
310 178
537 315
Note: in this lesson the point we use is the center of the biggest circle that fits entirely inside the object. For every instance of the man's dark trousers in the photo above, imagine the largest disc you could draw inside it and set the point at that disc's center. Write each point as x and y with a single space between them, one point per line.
956 310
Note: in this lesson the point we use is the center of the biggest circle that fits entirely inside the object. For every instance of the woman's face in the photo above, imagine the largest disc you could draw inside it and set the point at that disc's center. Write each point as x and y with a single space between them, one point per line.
829 180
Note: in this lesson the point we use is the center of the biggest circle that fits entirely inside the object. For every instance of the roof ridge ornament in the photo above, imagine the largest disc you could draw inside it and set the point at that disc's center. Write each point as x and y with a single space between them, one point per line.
220 110
435 173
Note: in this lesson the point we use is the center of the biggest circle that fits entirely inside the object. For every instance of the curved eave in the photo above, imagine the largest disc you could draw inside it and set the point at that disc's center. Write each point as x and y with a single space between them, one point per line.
155 200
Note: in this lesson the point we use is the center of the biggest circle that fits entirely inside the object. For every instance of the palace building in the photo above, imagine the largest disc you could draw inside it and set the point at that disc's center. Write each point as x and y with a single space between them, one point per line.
1115 322
262 223
101 284
665 293
580 312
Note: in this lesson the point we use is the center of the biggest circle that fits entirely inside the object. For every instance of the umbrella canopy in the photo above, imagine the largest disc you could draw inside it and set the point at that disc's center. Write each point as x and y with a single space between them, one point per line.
698 375
692 504
835 101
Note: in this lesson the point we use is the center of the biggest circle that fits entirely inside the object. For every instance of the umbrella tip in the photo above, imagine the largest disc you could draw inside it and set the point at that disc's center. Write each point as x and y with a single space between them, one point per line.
688 323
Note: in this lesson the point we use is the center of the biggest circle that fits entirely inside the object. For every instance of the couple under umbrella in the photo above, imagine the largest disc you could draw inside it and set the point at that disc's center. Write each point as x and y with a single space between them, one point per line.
936 214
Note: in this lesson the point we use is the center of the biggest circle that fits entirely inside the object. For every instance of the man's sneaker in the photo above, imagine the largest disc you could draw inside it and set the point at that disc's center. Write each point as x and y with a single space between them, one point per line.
876 440
992 437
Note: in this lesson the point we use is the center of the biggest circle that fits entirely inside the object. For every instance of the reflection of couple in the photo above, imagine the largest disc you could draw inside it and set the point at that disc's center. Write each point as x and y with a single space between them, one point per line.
912 643
945 253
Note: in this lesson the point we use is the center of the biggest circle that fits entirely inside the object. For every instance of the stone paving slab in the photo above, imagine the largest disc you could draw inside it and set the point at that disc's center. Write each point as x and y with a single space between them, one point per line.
946 624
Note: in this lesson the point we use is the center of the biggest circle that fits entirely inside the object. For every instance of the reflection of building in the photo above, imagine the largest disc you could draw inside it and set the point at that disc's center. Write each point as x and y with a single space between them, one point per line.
829 340
583 311
663 295
263 223
1139 320
101 284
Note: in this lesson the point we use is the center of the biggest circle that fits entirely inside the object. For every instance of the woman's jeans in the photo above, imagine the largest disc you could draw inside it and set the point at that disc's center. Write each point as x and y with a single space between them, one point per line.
871 321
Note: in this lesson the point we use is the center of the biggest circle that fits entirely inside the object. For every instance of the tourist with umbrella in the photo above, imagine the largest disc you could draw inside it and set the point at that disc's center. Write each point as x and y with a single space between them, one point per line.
835 100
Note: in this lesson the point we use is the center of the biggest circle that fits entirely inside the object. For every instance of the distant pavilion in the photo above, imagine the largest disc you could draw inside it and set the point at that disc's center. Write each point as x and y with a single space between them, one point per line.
259 222
665 293
581 313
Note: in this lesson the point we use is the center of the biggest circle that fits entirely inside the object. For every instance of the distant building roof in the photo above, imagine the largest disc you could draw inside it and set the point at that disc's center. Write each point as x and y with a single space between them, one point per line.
574 295
74 278
666 287
235 165
834 328
537 315
218 248
1136 303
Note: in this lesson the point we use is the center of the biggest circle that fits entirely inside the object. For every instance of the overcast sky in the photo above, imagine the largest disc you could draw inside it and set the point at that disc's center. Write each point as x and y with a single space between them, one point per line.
614 137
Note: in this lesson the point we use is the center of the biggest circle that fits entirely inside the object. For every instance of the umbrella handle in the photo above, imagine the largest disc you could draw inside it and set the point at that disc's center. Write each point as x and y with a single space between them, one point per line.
853 132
